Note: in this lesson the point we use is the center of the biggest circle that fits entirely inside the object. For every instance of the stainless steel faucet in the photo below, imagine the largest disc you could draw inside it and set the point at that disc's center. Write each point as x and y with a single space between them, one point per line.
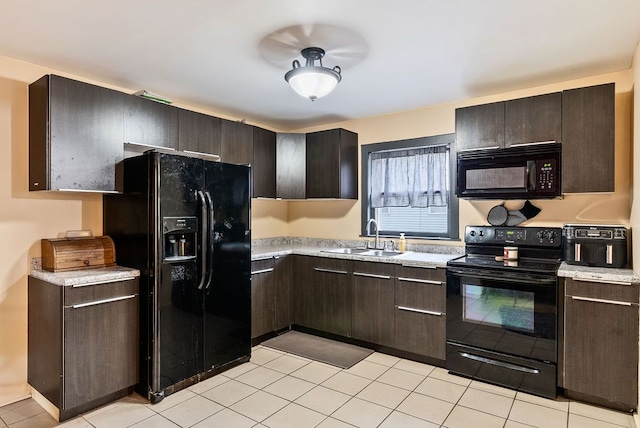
373 220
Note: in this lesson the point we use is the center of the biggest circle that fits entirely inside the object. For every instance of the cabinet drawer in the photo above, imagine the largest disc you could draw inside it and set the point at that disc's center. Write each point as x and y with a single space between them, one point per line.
420 296
262 266
431 274
99 291
420 333
372 270
602 290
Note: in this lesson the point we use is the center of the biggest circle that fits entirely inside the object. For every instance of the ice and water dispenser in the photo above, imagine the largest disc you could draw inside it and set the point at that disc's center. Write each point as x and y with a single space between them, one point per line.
180 238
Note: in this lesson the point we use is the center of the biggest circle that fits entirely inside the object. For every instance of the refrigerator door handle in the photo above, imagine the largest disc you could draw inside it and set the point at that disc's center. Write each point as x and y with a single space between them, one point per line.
210 233
203 237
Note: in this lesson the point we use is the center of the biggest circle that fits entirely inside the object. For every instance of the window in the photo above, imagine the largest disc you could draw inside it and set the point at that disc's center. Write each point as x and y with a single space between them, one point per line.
408 187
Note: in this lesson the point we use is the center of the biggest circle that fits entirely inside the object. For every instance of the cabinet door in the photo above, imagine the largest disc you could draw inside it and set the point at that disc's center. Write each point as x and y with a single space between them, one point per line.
150 123
588 139
533 119
331 164
323 295
373 303
100 344
264 163
237 142
601 341
263 296
420 311
290 166
480 127
283 280
75 135
199 132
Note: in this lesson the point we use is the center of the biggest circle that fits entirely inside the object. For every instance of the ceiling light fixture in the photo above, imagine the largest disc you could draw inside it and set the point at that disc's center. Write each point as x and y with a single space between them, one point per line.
313 81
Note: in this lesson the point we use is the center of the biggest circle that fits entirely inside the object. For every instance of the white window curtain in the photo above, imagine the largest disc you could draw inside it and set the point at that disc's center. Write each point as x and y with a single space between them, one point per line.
417 177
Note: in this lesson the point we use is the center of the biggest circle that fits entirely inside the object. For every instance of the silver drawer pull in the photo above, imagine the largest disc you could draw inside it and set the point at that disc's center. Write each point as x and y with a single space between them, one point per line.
610 302
261 271
340 272
498 363
421 267
129 278
420 311
421 281
479 148
207 155
370 275
111 192
99 302
533 143
602 281
258 259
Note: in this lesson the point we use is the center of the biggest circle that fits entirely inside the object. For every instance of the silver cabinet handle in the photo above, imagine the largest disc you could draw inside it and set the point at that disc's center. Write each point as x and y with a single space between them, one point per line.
420 311
206 155
498 363
340 272
111 192
421 267
99 302
129 278
533 143
256 272
609 255
479 148
421 281
371 275
610 302
258 259
576 251
600 281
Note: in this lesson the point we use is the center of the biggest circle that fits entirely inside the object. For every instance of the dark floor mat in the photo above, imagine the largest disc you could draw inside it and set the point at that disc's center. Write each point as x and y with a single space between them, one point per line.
319 349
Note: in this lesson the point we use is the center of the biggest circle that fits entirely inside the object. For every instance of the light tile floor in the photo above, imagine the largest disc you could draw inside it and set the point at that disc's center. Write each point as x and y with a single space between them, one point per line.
279 390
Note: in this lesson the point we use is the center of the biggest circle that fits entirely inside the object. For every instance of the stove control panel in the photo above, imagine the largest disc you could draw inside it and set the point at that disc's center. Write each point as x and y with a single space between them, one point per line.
498 235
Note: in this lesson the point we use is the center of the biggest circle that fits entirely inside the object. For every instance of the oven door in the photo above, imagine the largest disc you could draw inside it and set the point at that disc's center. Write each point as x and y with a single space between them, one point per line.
502 328
515 315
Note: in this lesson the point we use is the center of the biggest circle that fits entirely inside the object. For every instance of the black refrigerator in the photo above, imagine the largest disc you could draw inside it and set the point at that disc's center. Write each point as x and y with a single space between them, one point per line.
184 222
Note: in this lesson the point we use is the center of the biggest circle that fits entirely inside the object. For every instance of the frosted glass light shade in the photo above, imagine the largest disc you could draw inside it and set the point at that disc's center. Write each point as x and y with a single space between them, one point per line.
312 82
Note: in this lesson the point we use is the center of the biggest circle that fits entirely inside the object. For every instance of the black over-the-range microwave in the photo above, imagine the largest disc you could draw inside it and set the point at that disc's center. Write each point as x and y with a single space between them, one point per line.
524 172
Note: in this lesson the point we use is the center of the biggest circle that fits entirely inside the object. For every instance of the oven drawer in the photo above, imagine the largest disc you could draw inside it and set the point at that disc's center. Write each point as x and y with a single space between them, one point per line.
523 374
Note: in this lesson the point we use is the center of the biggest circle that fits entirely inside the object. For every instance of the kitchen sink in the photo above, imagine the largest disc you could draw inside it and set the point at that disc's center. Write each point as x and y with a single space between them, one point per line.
363 252
381 253
347 251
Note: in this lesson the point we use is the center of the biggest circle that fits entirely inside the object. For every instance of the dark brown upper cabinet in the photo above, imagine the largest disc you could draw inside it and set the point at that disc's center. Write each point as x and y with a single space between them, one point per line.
199 132
533 120
480 127
75 135
290 166
588 139
150 123
332 164
236 142
263 169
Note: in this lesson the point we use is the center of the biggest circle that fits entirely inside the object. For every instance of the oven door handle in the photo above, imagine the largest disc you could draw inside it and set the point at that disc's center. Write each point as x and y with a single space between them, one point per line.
498 363
520 280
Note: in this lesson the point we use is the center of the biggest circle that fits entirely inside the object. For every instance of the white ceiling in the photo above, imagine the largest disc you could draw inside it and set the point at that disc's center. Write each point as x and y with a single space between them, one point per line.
230 56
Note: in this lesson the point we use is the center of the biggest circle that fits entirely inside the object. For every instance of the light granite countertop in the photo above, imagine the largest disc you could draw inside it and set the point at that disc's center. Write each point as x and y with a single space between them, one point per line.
428 256
603 274
86 276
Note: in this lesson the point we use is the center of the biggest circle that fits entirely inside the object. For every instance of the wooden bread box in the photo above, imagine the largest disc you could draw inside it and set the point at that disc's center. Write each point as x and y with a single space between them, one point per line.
65 254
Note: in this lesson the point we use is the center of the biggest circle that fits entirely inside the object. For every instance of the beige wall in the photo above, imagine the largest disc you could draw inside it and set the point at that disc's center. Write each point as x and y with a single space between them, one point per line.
26 217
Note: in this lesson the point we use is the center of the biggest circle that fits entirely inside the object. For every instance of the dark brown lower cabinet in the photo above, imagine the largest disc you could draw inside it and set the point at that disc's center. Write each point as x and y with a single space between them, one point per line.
83 342
601 343
283 275
420 318
373 297
322 294
263 297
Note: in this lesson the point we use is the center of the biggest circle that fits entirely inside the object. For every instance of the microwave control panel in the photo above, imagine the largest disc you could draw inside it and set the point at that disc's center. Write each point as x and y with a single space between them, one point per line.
545 173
